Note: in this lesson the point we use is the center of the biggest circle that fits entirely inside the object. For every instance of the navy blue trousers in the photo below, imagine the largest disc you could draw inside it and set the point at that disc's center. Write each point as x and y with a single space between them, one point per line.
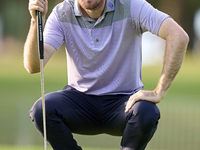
70 111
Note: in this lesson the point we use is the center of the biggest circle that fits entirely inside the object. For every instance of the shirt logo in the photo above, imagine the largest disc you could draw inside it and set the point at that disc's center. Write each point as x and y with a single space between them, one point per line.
110 5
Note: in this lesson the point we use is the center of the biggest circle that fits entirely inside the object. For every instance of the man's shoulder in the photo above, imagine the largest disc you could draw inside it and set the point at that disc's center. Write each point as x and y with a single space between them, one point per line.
64 9
66 4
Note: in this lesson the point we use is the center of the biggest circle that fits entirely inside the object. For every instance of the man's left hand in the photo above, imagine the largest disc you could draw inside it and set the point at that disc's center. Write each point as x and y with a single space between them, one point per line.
151 96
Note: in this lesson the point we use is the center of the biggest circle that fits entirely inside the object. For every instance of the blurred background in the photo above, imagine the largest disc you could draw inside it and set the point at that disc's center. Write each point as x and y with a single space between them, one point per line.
179 127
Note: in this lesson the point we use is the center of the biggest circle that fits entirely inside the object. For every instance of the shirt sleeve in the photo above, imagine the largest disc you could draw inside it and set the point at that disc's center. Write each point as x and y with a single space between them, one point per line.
53 32
145 17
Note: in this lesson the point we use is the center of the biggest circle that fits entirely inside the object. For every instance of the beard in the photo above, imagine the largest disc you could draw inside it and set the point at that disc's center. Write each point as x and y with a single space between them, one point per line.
90 4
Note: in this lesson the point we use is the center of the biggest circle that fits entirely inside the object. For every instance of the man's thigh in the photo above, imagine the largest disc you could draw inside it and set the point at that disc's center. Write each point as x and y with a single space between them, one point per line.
88 114
143 114
114 117
78 111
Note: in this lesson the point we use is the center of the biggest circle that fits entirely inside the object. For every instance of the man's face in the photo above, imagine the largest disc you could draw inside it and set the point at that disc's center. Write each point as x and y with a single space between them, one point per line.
91 4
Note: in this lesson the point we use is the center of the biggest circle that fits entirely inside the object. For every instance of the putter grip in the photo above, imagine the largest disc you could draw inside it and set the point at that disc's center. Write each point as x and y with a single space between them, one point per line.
40 34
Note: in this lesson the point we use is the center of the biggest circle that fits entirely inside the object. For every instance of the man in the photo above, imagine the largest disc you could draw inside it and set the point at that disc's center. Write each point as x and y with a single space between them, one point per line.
104 92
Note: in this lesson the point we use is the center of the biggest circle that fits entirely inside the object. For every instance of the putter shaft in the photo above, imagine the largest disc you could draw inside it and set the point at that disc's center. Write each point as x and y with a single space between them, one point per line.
41 52
43 103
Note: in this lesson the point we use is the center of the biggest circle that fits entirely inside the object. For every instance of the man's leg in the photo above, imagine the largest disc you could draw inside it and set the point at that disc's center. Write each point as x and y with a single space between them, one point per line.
141 126
67 111
137 126
72 111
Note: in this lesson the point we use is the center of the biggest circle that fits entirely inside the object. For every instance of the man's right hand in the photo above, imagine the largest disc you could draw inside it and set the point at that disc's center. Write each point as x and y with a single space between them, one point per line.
31 55
40 5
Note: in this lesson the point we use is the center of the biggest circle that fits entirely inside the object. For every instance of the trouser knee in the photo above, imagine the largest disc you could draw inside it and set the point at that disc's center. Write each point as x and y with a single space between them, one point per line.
147 115
141 125
36 115
36 112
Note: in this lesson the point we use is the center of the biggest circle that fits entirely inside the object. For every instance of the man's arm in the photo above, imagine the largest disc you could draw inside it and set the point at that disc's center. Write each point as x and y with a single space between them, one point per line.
31 55
176 45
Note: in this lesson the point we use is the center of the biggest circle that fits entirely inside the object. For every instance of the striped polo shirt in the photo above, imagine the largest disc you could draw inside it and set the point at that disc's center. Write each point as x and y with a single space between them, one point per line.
103 57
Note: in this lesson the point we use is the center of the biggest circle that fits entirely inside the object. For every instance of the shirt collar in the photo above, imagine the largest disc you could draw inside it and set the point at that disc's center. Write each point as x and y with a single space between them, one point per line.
77 10
110 6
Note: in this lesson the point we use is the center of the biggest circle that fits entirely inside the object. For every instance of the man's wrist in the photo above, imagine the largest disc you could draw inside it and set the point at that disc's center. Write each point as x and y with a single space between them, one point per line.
160 91
34 21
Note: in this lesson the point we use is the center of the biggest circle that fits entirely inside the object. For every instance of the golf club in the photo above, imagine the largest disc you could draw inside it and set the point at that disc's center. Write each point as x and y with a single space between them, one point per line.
41 52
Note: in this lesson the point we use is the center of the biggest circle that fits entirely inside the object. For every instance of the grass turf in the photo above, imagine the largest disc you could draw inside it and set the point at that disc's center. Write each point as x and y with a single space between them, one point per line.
41 148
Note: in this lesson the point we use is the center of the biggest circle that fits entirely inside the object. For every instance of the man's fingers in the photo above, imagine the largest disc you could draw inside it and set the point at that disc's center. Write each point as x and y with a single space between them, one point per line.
134 98
128 106
40 5
37 2
150 96
36 5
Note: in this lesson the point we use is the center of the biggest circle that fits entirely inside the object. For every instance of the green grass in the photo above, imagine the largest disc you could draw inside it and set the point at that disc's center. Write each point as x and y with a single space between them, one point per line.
178 127
41 148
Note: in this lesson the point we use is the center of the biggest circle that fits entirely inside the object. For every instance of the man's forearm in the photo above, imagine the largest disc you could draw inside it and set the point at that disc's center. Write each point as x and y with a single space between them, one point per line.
31 55
176 46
